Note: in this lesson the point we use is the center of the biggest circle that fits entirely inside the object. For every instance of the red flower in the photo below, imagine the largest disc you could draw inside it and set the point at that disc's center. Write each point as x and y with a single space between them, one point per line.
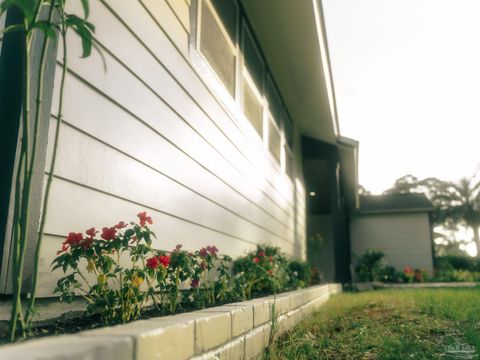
164 260
87 243
144 218
73 238
108 233
153 262
408 270
120 225
256 260
91 232
261 253
203 253
195 283
270 258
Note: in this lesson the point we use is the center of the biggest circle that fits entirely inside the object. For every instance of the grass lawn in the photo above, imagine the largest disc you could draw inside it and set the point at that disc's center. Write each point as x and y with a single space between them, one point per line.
388 324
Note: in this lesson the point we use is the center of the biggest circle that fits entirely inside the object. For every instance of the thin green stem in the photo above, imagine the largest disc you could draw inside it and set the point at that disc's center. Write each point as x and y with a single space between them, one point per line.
22 206
31 303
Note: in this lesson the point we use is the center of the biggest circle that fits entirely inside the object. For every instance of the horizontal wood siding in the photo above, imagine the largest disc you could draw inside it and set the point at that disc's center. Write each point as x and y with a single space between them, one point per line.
148 134
404 238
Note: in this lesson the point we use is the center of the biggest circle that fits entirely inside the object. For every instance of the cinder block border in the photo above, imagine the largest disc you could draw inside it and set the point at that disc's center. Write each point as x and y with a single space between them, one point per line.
233 331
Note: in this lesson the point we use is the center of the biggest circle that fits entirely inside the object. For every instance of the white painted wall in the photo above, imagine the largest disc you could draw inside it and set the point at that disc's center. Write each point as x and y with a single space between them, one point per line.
147 134
404 238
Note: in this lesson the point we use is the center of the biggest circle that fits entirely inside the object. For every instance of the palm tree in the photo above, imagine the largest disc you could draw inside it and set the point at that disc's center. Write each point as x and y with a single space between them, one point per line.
456 202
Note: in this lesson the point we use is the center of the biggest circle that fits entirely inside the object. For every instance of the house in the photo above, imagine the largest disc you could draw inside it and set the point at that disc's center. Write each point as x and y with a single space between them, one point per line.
217 117
398 225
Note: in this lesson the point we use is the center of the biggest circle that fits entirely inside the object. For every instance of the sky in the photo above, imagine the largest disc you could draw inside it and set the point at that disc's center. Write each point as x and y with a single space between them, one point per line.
407 83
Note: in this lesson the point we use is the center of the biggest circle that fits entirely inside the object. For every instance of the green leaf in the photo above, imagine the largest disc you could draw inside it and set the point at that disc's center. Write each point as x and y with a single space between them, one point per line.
84 30
27 7
86 8
47 27
12 28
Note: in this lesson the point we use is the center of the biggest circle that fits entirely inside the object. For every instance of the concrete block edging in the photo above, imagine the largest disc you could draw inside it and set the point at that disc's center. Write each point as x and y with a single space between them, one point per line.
231 331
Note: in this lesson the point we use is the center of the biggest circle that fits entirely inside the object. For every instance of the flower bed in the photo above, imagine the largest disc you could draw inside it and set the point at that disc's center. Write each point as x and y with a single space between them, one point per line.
234 331
122 278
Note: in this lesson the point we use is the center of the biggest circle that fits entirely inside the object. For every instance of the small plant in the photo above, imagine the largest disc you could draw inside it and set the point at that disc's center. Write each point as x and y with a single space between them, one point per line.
93 268
264 270
301 274
370 265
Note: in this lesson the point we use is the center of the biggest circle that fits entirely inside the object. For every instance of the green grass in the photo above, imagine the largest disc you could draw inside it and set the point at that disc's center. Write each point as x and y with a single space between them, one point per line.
388 324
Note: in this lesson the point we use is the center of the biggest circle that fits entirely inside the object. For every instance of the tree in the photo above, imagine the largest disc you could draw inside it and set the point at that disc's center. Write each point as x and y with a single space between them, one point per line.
404 185
362 191
455 203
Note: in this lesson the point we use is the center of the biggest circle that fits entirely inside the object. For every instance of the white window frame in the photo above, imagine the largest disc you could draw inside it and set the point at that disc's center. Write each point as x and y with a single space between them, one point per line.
200 61
234 103
246 77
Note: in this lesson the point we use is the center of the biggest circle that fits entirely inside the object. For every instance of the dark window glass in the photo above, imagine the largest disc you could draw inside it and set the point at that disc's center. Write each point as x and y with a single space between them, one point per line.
288 129
216 49
274 103
253 60
227 10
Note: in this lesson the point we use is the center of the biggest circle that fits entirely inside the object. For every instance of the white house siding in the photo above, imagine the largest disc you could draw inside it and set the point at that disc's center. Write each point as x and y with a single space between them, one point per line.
148 134
404 238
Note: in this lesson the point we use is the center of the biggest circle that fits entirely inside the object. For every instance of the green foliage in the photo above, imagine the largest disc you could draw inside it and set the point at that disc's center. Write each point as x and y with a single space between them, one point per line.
57 22
369 265
301 274
119 271
93 268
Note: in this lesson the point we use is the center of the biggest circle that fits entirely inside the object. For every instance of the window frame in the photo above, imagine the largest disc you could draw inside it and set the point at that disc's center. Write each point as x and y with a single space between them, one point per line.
235 103
201 62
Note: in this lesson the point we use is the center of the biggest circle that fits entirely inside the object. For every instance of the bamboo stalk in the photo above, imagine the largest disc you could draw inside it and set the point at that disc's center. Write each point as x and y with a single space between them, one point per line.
31 303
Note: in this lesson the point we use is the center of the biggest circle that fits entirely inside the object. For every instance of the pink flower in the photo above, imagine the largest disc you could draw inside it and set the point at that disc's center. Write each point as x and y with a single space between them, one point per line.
261 253
203 253
212 250
144 219
120 225
256 260
108 233
64 248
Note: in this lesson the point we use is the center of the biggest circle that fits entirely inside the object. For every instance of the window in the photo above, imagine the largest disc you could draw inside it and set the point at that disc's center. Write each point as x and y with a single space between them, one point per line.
216 46
274 138
228 54
252 104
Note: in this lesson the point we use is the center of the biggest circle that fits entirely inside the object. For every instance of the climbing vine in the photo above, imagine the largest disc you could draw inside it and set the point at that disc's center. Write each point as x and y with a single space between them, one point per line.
48 21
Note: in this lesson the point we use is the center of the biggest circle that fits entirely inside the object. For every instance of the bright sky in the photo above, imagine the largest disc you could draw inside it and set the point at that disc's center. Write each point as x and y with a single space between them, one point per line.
407 83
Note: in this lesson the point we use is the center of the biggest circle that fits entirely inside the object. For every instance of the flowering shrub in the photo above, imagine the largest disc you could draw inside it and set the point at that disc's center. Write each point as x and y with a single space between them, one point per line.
261 271
116 270
92 267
